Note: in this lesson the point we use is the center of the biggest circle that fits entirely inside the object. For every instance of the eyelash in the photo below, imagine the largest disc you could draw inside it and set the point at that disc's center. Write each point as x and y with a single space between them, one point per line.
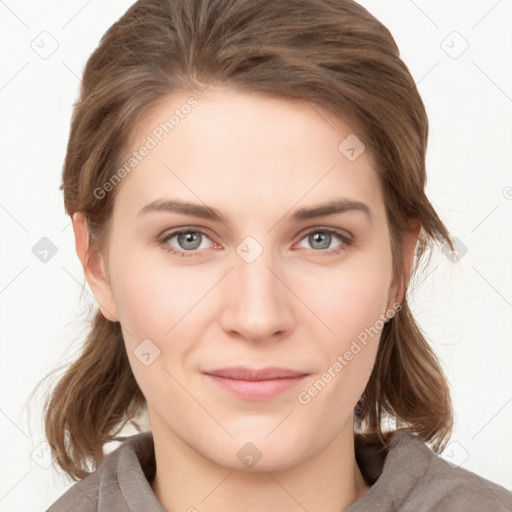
346 241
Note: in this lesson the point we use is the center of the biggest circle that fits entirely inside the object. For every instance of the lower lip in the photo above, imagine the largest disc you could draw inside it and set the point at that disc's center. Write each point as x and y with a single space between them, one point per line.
257 389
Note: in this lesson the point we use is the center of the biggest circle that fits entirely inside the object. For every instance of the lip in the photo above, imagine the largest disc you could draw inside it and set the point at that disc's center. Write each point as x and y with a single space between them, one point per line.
246 373
253 384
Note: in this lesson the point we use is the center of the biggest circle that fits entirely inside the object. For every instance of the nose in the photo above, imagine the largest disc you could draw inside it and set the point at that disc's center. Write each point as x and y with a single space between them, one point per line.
258 303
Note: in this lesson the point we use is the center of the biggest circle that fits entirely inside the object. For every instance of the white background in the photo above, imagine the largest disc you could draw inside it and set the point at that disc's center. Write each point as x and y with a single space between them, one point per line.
464 308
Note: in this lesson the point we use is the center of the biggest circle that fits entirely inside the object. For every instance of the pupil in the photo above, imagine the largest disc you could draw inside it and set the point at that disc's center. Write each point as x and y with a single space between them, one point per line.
323 238
189 238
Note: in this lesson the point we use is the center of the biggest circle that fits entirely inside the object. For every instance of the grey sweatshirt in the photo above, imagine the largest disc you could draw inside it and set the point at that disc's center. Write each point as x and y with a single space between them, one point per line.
410 477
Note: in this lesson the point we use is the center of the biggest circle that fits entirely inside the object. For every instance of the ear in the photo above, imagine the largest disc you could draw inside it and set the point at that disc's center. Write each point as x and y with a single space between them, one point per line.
410 239
94 268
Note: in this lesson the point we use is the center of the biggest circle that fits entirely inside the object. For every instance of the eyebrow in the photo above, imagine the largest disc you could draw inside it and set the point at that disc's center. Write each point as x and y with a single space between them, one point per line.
206 212
174 206
330 208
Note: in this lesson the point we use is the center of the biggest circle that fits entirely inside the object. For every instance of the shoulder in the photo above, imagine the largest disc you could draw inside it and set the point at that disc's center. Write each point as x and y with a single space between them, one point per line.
412 478
457 489
81 497
121 482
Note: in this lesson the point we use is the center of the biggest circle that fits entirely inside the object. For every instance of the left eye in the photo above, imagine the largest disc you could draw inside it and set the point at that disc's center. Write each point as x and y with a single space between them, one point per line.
320 239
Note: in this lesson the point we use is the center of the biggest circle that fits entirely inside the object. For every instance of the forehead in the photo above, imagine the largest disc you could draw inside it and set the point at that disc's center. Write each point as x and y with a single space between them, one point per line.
247 150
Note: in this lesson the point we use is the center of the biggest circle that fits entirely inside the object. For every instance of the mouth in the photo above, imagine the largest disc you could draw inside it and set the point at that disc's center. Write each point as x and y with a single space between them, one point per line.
253 384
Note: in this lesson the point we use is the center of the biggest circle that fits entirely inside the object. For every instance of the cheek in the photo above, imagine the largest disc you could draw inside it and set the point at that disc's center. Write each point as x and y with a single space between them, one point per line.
150 298
353 303
155 306
354 310
352 297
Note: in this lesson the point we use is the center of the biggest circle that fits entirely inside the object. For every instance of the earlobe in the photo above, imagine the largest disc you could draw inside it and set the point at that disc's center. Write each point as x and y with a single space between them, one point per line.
94 268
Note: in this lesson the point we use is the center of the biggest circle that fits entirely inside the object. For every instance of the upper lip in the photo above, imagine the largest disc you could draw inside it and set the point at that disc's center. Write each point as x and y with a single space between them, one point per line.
245 373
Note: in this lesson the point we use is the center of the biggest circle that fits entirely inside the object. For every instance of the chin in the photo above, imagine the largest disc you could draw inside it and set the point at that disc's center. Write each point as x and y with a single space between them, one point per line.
256 456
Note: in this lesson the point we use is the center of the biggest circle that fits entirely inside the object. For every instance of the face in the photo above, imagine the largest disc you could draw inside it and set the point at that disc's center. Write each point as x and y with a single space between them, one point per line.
268 280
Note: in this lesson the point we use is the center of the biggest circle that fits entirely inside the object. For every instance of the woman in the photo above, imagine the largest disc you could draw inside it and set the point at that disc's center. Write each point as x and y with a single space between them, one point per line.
246 184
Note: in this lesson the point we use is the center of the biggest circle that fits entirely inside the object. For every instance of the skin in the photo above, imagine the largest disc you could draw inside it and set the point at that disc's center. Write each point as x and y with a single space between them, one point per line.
298 305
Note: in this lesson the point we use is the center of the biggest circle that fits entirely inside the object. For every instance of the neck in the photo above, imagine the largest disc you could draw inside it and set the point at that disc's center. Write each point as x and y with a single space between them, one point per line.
185 480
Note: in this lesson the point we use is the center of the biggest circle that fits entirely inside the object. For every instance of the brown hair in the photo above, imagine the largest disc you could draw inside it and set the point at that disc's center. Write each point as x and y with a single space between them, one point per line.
330 53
